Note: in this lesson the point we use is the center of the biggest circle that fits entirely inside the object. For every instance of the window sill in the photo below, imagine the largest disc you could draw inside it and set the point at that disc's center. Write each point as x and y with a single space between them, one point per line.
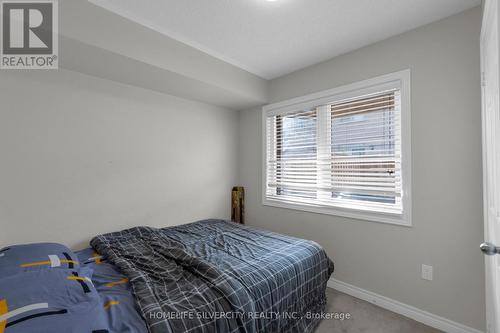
388 218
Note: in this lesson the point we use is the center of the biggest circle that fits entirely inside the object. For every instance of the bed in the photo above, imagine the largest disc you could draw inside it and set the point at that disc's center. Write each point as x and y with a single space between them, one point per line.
206 276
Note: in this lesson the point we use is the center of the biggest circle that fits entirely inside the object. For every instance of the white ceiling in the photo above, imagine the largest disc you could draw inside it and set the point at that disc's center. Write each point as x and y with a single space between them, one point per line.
271 39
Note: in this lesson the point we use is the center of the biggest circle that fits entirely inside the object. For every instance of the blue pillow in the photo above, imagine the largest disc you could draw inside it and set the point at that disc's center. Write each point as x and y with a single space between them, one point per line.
89 256
51 301
41 256
122 313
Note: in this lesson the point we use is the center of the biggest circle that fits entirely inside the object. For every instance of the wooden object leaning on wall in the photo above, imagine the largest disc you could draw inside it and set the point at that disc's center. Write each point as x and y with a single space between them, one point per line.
237 204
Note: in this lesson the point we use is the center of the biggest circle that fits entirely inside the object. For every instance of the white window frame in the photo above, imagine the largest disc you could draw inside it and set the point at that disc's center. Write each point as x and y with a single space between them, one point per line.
399 80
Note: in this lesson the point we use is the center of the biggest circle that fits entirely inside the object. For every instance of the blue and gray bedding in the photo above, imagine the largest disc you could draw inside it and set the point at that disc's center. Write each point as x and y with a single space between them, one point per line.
207 276
41 295
217 276
122 313
28 257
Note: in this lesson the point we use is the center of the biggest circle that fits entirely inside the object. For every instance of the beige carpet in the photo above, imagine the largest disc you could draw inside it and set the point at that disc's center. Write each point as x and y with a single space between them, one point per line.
366 318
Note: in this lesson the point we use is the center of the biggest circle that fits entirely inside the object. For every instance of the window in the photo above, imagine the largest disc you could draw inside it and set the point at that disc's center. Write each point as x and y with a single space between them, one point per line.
345 151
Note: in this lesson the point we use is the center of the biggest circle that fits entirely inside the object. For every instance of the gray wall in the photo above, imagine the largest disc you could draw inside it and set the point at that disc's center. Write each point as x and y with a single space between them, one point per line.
82 156
447 204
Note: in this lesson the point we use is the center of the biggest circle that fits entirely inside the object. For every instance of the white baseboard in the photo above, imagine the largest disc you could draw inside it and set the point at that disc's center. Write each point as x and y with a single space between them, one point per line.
409 311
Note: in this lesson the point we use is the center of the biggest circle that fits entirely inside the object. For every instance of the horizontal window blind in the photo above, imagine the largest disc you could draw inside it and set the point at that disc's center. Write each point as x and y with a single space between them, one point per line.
292 154
366 151
344 154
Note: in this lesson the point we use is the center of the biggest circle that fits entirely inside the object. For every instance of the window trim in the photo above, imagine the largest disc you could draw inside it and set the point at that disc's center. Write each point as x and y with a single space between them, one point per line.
400 80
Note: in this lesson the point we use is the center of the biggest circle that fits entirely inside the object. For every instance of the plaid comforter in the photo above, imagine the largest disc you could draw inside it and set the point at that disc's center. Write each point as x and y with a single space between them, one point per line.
217 276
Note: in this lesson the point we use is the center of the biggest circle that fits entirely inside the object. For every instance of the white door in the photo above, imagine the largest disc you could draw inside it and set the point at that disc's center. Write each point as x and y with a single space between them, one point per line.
491 160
